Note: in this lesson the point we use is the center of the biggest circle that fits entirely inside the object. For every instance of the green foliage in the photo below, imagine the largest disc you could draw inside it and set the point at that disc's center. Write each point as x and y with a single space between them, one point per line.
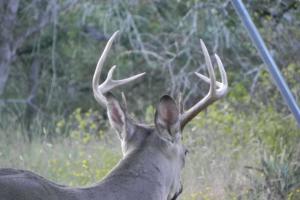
70 143
277 177
80 125
223 143
265 125
160 38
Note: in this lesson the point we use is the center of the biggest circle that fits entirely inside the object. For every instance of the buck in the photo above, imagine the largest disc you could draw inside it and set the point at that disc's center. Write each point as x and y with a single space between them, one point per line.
153 155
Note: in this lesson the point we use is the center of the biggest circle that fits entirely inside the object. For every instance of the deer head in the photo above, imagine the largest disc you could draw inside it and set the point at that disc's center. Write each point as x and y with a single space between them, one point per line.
154 152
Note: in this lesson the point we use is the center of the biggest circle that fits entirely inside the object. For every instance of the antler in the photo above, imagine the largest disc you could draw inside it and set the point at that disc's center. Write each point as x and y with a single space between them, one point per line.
109 83
216 90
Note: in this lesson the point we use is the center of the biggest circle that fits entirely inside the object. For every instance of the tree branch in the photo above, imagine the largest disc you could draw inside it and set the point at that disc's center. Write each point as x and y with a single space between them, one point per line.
45 19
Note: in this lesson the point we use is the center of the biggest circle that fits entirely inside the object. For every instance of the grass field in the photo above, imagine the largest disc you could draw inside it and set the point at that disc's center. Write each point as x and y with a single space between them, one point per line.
228 158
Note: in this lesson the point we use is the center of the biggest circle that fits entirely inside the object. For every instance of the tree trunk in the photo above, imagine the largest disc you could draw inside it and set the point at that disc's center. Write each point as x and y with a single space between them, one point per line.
6 57
31 107
7 52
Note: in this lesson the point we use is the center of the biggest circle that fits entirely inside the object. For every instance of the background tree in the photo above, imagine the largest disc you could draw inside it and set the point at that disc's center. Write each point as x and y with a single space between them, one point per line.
49 50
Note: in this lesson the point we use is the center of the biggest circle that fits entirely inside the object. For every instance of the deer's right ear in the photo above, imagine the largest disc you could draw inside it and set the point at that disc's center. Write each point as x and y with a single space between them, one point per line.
167 118
117 117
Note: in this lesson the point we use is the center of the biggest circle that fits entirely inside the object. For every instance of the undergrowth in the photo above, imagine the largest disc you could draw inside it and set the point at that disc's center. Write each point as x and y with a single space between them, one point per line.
232 155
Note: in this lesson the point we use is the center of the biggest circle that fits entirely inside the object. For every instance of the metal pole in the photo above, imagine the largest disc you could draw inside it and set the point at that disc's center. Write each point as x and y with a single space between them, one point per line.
267 58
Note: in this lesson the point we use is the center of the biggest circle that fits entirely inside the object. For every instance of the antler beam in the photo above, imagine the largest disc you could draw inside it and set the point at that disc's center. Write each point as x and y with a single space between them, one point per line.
109 84
216 90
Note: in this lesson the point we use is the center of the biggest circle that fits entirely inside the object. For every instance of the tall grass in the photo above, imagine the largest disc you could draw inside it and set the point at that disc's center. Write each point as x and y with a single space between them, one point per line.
232 156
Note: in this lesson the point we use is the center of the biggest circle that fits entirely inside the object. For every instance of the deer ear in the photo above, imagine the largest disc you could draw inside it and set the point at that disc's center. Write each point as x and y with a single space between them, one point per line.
167 119
116 115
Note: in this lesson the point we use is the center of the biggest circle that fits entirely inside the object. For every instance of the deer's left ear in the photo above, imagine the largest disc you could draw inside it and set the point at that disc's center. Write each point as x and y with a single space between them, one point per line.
167 118
118 118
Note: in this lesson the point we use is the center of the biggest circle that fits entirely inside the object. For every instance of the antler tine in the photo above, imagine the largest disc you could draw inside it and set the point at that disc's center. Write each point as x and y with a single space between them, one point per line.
213 93
109 83
207 80
210 68
222 86
98 95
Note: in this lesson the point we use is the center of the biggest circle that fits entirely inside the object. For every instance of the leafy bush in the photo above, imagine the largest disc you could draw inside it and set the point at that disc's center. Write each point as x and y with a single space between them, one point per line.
223 143
277 177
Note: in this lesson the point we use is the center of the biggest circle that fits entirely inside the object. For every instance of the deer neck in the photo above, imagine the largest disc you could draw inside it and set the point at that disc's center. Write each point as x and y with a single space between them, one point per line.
141 171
